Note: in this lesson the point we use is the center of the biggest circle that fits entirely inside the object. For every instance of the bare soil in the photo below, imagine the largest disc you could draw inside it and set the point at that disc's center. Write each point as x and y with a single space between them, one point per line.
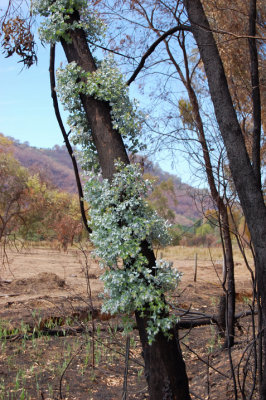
56 343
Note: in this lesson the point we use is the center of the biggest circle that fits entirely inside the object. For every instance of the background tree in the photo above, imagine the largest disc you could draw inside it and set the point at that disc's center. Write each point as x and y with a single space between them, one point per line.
31 208
14 195
249 191
179 65
162 197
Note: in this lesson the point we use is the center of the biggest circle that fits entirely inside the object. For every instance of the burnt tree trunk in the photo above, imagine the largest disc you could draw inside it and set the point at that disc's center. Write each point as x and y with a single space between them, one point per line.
256 138
227 328
255 84
245 179
164 366
230 279
224 222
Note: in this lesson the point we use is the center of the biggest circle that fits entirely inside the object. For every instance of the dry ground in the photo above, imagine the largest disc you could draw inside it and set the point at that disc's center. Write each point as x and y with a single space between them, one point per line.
47 336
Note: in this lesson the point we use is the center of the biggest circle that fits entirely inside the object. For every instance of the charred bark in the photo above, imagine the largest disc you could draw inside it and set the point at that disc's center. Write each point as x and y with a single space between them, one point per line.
242 171
255 84
230 279
167 379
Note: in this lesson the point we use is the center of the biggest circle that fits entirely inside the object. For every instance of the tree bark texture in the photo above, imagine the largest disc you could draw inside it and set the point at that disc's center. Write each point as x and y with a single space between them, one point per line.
242 171
164 366
230 277
255 84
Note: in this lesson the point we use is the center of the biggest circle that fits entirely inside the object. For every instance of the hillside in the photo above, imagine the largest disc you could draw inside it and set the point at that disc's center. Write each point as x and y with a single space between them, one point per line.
55 165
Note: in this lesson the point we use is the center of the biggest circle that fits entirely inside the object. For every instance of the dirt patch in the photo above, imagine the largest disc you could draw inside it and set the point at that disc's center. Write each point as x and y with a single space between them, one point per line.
43 280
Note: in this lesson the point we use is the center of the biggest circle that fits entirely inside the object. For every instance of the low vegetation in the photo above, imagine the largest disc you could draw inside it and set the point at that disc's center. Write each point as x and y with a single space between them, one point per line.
63 347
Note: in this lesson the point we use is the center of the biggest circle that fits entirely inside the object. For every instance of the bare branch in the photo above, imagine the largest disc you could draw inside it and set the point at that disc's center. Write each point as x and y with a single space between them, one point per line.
66 140
153 47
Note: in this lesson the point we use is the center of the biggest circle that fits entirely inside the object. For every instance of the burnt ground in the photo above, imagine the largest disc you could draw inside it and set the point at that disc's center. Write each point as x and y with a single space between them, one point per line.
56 343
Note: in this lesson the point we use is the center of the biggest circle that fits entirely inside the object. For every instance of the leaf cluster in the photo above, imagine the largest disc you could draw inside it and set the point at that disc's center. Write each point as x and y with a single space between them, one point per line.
121 220
18 39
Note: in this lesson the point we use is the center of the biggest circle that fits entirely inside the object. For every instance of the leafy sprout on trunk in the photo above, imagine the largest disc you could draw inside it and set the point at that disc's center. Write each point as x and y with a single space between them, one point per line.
121 218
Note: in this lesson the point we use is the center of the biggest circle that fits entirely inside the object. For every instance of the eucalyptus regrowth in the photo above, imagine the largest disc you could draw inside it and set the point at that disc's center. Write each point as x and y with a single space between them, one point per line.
56 23
106 84
121 220
120 217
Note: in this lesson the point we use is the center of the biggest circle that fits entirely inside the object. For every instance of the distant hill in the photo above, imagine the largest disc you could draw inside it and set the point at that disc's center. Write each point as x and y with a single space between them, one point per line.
55 165
188 208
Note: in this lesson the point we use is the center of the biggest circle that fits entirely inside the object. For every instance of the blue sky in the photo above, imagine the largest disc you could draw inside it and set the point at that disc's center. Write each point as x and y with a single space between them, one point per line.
26 106
26 110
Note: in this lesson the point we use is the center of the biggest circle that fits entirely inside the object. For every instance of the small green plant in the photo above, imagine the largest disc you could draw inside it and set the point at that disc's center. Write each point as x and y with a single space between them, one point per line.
133 343
33 342
10 362
2 389
246 300
17 380
23 394
140 373
24 329
50 390
214 301
3 345
62 367
87 354
67 388
6 329
69 321
212 340
37 383
93 375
